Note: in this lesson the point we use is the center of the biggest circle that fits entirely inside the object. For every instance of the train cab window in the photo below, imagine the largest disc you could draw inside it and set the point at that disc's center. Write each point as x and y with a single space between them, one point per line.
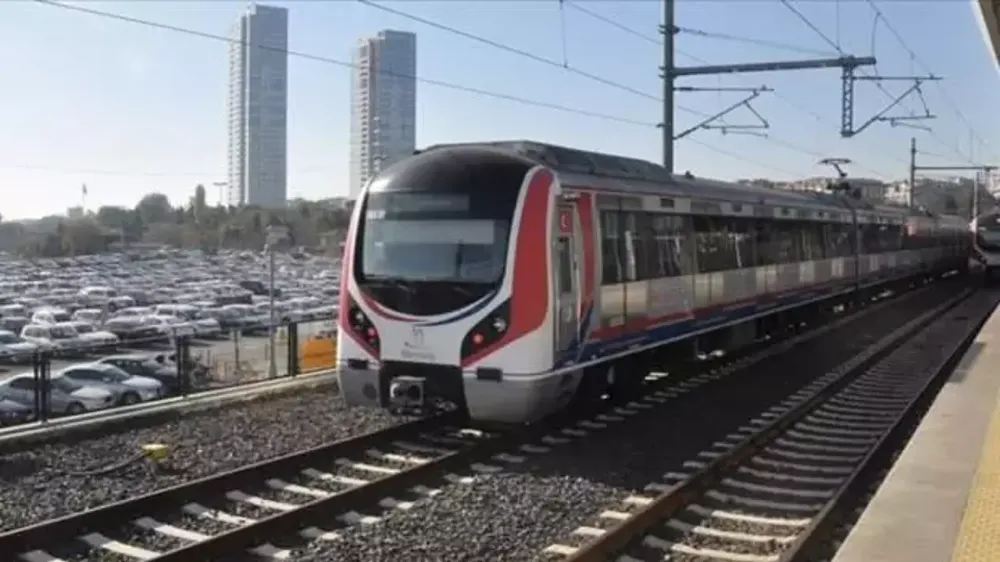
610 248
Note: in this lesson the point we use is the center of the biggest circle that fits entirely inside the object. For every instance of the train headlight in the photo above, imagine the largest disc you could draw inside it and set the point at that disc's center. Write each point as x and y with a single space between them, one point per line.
487 331
361 325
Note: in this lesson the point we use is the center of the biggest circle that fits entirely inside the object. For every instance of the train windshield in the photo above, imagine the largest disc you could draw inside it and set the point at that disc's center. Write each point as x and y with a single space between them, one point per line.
433 237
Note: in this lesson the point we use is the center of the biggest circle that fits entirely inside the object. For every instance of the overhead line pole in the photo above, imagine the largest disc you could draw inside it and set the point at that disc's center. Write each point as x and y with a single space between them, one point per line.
848 65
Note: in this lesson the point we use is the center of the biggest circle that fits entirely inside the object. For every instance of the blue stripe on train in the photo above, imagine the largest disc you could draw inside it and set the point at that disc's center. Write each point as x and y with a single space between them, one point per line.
678 330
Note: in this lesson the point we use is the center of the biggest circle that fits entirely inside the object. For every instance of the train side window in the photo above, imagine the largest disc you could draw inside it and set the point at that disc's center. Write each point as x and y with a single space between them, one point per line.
634 246
663 257
783 241
763 242
715 244
818 240
806 238
610 258
742 236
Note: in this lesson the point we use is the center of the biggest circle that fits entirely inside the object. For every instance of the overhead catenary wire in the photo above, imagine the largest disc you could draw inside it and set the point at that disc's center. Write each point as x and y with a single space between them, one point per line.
913 57
769 138
554 63
347 64
752 41
889 95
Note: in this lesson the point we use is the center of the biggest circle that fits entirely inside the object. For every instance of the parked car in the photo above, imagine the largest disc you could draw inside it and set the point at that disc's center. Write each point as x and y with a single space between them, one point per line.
15 349
127 388
144 365
92 338
65 396
14 413
62 339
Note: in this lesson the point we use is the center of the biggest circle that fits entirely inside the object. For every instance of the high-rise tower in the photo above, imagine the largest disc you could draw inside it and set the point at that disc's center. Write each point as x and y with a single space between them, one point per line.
258 108
383 104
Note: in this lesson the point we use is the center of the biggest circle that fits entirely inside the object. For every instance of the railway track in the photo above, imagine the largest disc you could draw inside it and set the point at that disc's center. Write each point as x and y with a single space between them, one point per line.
778 487
312 495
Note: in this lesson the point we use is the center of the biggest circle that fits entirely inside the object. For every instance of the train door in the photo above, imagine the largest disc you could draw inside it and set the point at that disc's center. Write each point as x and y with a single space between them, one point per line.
567 278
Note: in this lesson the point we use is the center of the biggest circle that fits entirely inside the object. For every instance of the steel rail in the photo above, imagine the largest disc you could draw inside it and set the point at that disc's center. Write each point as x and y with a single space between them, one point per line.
815 536
671 502
68 527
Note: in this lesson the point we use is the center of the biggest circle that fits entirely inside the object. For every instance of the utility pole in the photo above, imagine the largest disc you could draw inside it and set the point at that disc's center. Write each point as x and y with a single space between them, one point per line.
980 169
847 63
667 127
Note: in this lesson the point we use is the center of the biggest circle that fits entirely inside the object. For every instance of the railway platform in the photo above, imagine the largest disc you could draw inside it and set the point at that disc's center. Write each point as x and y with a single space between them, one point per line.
941 500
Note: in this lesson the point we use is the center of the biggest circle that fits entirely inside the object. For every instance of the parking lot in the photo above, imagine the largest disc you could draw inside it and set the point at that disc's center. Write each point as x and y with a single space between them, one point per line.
102 308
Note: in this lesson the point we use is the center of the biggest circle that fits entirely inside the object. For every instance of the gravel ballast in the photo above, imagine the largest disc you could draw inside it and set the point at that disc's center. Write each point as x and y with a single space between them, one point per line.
514 514
36 484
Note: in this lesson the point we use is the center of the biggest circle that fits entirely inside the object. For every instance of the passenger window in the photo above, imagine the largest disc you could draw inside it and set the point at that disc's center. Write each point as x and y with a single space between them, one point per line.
784 241
631 249
610 257
666 247
715 243
763 242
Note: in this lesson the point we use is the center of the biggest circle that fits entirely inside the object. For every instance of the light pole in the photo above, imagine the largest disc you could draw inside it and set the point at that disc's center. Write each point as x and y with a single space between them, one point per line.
275 234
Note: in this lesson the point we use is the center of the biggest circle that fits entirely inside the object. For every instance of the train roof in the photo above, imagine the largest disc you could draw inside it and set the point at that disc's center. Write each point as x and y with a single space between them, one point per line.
642 175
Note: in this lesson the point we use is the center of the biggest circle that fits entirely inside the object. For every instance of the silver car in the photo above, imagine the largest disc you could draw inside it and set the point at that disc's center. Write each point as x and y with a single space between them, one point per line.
66 396
127 389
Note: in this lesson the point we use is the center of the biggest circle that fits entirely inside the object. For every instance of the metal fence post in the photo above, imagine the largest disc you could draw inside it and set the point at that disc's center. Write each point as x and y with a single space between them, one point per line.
183 366
46 385
292 351
36 368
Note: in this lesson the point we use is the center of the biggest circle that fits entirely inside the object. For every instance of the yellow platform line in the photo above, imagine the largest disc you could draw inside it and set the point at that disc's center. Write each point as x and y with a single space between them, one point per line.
978 538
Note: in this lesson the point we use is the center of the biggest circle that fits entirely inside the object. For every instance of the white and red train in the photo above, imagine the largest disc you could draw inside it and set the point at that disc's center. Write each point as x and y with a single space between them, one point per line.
984 256
509 277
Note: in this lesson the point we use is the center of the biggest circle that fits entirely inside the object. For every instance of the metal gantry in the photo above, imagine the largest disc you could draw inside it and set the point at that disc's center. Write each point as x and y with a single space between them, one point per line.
848 64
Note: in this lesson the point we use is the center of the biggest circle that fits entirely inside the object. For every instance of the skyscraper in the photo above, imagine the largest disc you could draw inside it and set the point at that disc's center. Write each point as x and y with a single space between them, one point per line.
383 104
258 108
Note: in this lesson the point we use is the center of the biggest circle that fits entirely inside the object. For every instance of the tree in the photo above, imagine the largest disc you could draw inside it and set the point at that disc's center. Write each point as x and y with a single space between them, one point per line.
154 207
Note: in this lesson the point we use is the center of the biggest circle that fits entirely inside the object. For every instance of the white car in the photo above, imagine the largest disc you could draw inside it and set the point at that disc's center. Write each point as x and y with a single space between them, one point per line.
65 397
92 337
127 389
170 325
59 338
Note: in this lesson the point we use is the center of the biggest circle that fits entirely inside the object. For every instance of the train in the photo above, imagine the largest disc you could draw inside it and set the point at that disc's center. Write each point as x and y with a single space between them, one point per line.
511 279
984 255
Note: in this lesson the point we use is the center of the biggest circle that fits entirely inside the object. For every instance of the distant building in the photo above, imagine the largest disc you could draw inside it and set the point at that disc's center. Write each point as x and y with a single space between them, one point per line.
870 189
258 108
383 104
75 212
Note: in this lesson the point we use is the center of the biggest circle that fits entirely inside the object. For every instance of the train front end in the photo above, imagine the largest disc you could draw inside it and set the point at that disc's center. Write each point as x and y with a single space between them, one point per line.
445 285
985 254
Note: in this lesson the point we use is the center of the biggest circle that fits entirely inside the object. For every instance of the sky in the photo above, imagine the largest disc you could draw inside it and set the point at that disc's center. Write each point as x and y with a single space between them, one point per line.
128 109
